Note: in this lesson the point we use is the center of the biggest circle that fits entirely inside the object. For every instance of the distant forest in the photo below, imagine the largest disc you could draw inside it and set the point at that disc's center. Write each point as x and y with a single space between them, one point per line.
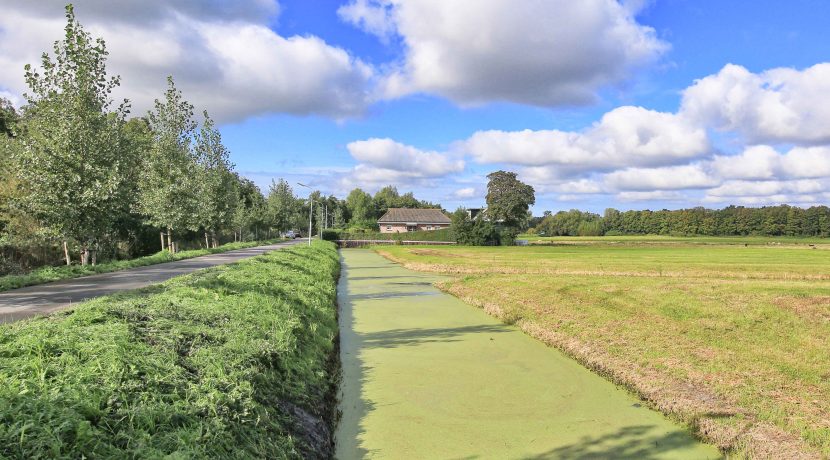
731 221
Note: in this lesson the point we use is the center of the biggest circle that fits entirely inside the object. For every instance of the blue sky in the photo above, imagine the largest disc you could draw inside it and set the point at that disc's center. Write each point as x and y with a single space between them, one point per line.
596 104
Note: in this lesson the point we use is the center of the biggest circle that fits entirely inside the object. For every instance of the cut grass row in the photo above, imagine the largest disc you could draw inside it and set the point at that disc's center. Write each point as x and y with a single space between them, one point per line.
237 361
49 274
732 341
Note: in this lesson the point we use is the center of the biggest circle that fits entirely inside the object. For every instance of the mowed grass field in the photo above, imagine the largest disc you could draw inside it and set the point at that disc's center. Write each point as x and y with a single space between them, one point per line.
733 340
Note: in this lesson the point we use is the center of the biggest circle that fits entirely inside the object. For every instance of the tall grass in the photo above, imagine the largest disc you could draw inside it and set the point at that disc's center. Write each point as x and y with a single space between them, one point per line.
49 274
235 361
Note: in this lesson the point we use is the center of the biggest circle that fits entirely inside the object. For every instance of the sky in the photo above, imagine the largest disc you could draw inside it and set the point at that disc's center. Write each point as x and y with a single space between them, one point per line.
631 104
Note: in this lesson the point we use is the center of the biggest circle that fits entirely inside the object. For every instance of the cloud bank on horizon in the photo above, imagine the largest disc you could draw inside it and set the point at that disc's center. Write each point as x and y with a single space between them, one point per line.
736 136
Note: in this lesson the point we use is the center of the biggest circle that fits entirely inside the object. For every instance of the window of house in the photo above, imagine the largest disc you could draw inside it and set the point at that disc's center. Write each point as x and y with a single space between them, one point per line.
389 227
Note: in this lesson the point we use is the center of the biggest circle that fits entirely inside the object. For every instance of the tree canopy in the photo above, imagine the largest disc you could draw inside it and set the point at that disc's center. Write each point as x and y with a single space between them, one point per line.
508 199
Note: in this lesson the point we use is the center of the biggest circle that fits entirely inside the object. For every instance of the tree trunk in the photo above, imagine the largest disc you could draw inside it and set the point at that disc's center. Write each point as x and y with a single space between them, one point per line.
84 255
170 246
66 253
162 241
95 255
207 240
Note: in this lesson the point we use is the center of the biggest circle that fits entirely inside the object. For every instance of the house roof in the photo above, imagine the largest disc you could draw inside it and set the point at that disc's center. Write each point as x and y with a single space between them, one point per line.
414 216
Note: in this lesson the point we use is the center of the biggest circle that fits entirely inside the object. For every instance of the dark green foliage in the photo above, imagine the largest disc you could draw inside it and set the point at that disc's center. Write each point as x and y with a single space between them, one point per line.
388 197
231 362
731 221
508 199
331 235
478 231
570 223
8 118
781 220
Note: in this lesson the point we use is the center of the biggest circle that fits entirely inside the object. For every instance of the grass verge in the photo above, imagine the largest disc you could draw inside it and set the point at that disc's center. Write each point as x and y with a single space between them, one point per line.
237 361
730 340
49 274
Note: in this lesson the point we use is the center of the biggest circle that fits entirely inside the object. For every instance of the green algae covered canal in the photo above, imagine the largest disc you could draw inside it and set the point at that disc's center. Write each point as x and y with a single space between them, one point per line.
428 376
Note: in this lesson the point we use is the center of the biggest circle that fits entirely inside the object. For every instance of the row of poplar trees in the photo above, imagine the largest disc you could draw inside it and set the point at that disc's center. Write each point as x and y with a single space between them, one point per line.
78 166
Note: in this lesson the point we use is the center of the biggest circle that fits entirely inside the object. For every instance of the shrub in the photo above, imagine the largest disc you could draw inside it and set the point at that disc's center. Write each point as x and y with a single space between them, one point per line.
331 235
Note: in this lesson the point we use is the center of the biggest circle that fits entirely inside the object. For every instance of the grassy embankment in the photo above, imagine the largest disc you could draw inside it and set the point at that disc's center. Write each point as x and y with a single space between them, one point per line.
49 274
730 339
235 361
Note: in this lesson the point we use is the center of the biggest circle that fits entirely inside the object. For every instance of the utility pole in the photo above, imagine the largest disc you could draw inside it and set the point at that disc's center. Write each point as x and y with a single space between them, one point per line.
310 210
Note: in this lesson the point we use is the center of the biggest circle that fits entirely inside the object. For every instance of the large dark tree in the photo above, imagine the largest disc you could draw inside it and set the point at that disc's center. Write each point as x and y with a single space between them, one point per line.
508 199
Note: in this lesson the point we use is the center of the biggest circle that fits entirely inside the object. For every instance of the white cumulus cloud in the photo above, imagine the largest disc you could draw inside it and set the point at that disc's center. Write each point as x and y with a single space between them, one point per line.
538 52
394 156
225 59
668 178
625 136
778 105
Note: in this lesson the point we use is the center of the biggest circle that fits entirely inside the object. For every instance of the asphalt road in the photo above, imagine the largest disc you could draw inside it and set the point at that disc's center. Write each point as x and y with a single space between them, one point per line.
47 298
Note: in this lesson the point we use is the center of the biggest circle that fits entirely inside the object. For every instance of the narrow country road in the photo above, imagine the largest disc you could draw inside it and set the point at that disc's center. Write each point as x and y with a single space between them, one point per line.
428 376
47 298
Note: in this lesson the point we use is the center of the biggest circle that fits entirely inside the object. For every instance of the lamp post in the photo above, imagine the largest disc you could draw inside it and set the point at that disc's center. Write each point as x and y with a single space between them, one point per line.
310 210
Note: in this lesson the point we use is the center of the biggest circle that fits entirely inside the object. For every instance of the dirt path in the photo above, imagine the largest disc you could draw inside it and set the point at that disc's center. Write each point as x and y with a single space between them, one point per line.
47 298
428 376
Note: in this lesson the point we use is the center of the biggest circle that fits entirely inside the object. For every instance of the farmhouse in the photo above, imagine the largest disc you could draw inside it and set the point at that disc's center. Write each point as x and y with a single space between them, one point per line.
398 220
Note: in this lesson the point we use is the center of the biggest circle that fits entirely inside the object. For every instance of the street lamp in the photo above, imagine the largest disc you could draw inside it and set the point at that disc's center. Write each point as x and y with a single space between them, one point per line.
310 210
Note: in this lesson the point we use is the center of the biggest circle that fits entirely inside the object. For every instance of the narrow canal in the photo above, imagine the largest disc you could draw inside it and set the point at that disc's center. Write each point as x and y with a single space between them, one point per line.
428 376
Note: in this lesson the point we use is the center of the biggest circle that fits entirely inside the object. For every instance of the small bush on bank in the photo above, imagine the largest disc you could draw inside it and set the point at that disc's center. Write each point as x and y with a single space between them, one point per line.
237 361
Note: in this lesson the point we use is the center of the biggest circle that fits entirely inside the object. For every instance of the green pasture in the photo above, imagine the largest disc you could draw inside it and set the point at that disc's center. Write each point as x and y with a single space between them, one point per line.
730 338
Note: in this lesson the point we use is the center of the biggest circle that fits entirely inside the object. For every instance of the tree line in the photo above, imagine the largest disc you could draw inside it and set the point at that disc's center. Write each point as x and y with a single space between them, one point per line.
80 176
76 169
780 220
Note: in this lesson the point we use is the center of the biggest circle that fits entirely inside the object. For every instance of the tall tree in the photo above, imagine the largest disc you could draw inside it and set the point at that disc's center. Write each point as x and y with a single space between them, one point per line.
249 209
281 205
359 204
72 157
218 194
508 199
169 189
385 198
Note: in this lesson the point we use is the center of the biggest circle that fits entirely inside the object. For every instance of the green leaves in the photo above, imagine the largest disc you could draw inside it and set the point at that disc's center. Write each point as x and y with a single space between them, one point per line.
72 158
508 199
170 181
